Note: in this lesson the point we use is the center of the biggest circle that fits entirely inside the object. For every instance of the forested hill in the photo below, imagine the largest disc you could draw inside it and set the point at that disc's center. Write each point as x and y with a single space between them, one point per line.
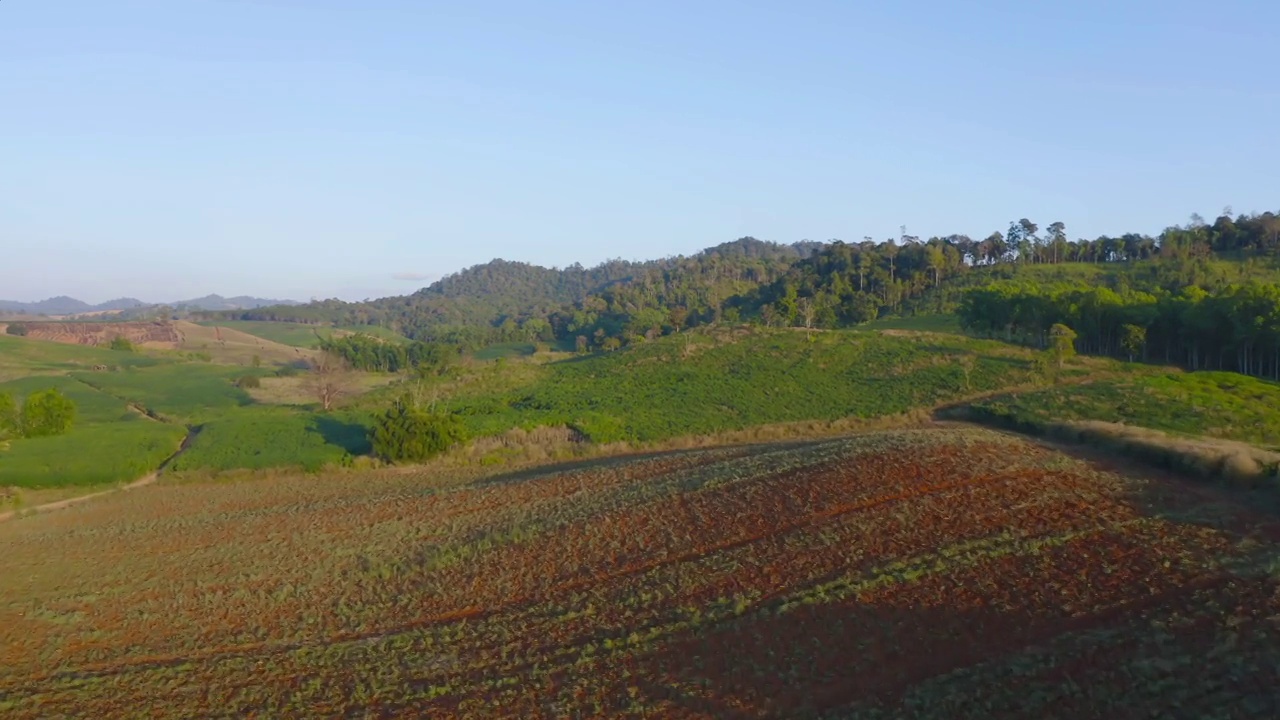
813 284
505 300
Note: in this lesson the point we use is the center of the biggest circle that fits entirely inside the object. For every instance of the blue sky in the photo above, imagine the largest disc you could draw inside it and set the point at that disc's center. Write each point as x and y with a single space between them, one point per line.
297 148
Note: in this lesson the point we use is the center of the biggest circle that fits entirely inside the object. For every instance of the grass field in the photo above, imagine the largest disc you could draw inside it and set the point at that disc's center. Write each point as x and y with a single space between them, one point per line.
940 323
110 442
702 383
231 346
258 438
925 574
90 455
21 357
1213 404
185 393
301 335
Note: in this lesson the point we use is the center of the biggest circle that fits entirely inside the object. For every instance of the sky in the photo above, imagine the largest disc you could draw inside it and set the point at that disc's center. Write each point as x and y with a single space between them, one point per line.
167 149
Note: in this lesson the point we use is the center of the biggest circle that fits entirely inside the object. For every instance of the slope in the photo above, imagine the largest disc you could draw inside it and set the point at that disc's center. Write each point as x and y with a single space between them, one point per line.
926 574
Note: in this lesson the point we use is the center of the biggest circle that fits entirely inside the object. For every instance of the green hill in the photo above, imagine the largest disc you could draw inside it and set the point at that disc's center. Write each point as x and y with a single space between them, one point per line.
734 378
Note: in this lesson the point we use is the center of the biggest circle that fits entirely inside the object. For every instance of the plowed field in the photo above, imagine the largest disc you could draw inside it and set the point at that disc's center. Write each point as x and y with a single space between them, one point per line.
933 573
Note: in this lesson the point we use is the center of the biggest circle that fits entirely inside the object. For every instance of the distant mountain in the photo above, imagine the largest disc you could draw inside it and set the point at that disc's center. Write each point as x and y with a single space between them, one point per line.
239 302
63 305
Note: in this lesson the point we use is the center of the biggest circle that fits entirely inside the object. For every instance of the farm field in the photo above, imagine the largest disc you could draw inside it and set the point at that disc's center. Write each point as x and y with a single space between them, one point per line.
232 346
1221 405
732 379
111 442
299 335
933 573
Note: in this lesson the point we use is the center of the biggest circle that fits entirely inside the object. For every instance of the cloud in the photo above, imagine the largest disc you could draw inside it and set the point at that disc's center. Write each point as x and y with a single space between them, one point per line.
411 276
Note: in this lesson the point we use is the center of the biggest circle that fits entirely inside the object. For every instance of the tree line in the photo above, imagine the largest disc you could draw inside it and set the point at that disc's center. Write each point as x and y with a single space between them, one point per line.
1236 327
814 284
365 352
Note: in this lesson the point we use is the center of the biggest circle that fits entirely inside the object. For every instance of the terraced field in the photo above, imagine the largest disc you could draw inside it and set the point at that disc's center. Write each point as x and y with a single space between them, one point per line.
928 573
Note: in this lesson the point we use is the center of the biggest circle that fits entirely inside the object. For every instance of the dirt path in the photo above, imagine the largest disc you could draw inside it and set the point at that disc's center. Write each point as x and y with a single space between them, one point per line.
140 482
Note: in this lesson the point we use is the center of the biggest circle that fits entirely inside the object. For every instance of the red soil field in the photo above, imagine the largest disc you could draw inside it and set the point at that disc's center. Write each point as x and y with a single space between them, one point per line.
928 573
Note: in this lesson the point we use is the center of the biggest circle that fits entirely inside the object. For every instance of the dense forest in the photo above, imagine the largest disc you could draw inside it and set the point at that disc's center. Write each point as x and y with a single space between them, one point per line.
1233 328
837 284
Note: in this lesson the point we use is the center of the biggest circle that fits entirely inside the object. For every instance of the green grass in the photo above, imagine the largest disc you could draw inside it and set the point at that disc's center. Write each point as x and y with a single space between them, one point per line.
90 455
20 357
301 335
376 331
92 407
186 393
286 333
259 438
698 384
1213 404
939 323
505 350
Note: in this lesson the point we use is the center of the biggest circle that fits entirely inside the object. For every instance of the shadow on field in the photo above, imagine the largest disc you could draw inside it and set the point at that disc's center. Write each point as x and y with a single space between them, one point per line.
612 461
352 437
880 659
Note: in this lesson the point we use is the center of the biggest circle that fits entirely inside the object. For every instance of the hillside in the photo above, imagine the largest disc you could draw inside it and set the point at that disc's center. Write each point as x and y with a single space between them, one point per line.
927 574
824 285
732 379
503 301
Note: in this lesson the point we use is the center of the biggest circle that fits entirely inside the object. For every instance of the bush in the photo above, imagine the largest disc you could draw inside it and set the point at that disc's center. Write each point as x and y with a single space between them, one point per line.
249 382
407 434
122 344
16 329
9 420
47 413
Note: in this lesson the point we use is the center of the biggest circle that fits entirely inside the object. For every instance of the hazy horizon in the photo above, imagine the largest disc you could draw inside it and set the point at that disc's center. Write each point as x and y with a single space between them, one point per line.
291 149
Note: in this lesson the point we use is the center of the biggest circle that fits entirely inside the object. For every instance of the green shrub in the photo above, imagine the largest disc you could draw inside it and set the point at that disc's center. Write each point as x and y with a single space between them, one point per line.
47 413
122 344
406 433
9 420
249 382
16 329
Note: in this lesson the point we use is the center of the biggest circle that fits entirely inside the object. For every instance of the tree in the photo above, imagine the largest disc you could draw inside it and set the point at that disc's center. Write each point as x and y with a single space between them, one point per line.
256 361
768 315
329 379
580 345
1057 239
1133 338
18 329
937 259
122 344
967 363
406 433
610 344
808 309
47 413
10 422
1062 344
678 315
